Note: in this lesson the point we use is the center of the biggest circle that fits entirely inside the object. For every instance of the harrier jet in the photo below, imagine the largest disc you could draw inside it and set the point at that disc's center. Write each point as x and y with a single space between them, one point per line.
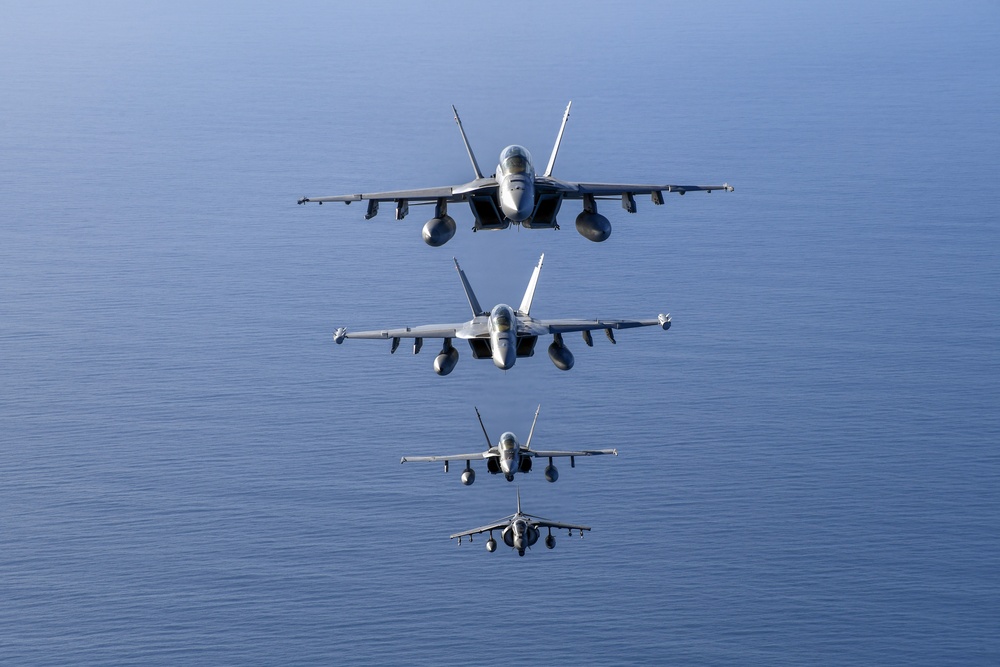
520 531
515 195
502 334
509 456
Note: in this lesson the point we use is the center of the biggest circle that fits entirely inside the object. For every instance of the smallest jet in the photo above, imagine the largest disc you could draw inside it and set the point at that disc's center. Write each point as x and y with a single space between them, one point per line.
520 531
509 456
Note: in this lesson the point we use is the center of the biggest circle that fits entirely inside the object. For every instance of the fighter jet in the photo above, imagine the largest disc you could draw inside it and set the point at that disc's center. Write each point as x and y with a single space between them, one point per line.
515 195
508 456
520 531
503 334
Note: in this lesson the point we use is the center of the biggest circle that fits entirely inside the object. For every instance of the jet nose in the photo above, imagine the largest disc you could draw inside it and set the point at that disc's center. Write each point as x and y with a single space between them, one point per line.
504 356
518 199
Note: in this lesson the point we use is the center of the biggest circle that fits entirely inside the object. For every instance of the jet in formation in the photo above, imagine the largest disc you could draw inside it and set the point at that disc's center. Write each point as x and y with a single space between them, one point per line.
515 195
509 456
503 334
520 531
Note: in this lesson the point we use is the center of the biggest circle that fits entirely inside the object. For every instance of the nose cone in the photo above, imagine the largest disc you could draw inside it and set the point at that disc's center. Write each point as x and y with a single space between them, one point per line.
504 355
517 198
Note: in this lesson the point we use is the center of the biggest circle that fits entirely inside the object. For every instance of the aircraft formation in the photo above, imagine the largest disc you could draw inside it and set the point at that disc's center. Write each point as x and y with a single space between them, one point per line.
514 195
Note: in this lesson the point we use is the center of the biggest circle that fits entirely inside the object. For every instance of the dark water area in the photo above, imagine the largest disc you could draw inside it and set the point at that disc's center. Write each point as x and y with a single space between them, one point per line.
194 473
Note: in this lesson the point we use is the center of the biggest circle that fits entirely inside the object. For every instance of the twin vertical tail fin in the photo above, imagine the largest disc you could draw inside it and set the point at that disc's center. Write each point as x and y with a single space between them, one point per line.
527 445
489 443
552 158
555 149
529 294
470 295
468 148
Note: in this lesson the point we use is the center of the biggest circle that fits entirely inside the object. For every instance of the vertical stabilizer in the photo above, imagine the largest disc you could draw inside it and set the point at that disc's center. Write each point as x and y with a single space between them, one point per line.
473 301
472 156
555 149
529 294
518 500
489 443
527 445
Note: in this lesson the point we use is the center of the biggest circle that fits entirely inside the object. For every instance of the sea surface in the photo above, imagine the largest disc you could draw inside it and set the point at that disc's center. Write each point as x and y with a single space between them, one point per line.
193 473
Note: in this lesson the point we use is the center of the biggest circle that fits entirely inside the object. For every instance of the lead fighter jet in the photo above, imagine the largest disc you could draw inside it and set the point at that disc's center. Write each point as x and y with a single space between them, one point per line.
520 531
509 456
515 195
503 334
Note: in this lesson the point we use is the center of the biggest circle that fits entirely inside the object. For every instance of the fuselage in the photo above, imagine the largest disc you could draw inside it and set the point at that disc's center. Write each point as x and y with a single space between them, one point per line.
516 183
510 455
503 336
520 534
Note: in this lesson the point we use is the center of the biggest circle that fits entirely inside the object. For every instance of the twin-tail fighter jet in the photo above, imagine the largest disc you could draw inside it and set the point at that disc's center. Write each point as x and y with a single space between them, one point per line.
502 334
509 456
515 195
520 531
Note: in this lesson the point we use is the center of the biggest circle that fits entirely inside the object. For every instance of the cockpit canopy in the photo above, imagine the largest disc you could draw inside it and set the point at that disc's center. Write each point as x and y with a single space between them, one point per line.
507 440
503 318
515 160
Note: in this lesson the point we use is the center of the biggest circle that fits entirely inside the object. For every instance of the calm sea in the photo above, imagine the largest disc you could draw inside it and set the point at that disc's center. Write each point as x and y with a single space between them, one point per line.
191 472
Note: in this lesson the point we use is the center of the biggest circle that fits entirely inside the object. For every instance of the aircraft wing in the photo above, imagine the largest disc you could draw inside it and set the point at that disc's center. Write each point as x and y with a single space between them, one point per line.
618 189
579 190
451 457
583 452
497 525
566 326
451 193
426 331
545 523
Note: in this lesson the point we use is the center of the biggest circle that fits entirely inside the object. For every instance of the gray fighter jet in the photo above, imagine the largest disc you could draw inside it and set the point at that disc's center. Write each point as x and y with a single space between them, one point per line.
520 531
515 195
508 456
503 334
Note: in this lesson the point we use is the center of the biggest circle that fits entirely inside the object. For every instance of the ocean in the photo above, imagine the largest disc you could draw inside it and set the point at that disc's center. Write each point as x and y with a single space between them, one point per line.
193 472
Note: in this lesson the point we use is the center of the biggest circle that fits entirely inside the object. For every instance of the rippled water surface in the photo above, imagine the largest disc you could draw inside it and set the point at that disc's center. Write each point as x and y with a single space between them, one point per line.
193 473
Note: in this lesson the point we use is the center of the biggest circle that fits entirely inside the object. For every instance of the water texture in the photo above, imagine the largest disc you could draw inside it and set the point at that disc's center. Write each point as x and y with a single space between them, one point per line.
193 473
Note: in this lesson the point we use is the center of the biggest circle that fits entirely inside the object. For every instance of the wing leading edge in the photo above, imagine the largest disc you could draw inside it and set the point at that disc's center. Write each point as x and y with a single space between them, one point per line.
496 525
568 326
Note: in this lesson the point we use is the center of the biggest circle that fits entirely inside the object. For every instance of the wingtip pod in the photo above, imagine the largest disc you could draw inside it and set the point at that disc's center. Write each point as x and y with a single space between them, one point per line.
664 321
339 335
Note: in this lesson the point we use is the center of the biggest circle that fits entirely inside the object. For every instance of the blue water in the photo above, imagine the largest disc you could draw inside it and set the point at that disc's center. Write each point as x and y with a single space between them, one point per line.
193 473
